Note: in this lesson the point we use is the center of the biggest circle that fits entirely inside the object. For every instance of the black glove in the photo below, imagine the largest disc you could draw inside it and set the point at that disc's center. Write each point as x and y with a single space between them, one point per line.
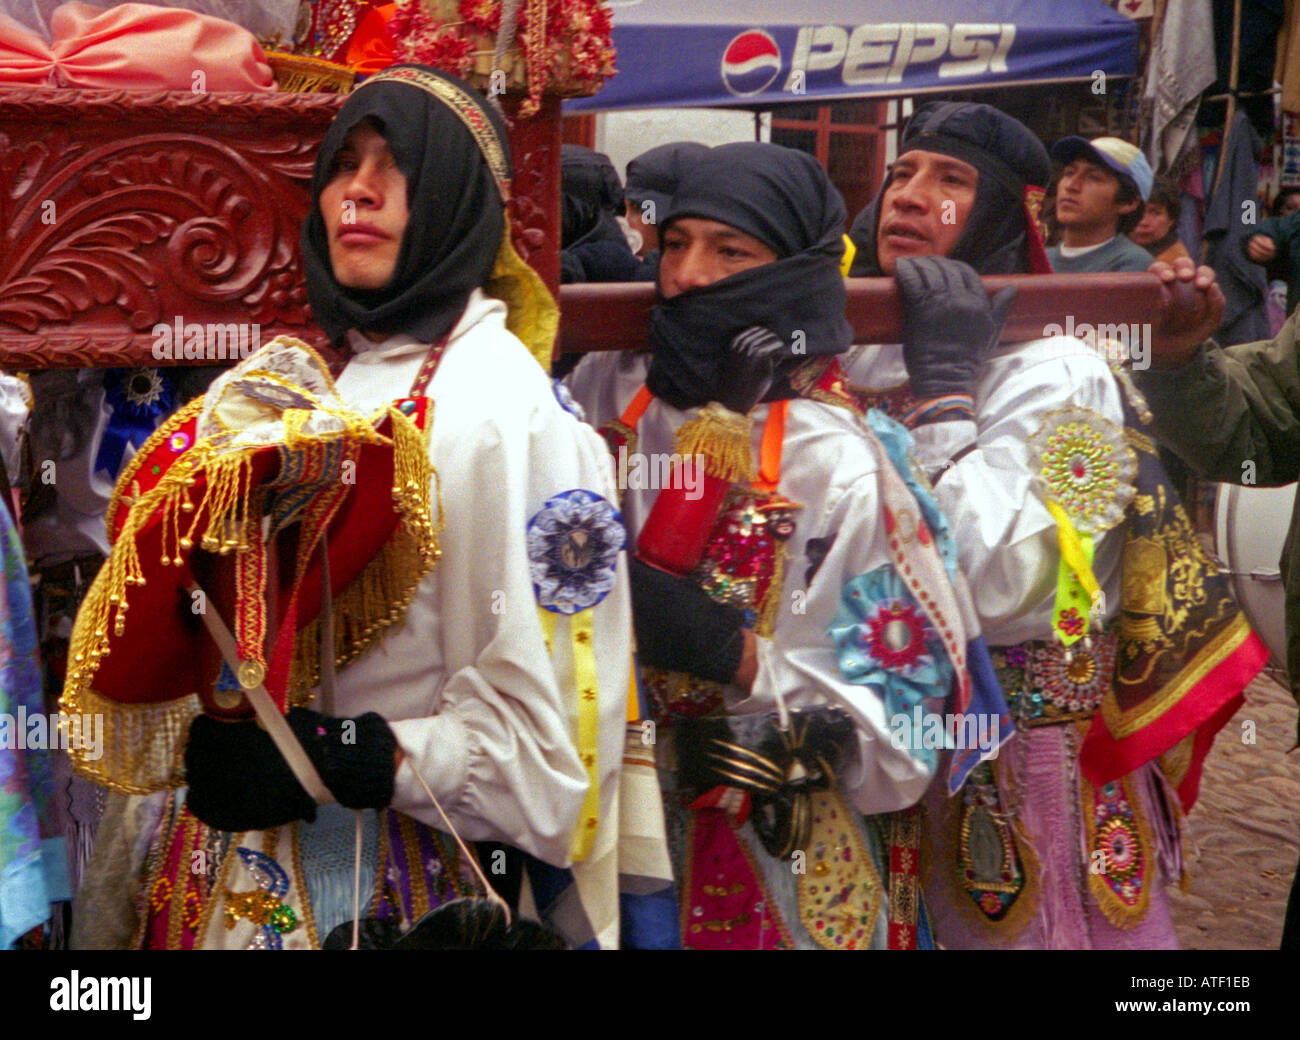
780 769
680 629
949 323
355 757
239 781
748 367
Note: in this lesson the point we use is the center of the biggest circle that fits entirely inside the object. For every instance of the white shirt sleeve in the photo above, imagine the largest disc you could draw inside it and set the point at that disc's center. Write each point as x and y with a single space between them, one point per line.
1006 538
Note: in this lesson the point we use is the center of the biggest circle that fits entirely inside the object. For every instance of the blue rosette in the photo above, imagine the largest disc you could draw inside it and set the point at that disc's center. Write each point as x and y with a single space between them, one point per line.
573 546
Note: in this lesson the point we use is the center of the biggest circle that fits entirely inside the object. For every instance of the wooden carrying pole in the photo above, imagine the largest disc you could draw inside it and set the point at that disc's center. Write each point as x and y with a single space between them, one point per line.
617 317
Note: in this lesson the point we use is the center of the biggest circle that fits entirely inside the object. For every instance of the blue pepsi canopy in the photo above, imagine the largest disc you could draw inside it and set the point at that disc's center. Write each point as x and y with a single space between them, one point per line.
760 53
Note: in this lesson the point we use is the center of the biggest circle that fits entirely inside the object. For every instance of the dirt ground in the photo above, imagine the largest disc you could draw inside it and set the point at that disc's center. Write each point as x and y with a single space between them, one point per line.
1243 838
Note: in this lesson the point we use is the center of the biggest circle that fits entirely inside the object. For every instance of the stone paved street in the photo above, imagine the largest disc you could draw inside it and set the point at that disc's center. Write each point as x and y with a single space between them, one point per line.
1243 837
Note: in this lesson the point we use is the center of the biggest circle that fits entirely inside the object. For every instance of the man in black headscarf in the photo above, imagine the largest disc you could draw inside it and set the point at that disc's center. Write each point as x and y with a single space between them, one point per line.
409 259
593 245
1027 448
759 506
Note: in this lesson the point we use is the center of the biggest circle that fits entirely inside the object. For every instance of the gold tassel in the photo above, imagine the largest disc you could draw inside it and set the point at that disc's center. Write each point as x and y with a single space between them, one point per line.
145 742
767 610
301 73
413 477
378 597
723 438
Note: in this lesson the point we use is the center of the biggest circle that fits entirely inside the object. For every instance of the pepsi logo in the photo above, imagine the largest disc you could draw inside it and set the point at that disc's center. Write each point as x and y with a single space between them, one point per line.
750 63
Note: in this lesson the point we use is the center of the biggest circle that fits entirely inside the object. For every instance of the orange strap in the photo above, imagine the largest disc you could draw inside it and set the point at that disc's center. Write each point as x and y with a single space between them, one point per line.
770 449
769 455
769 464
632 414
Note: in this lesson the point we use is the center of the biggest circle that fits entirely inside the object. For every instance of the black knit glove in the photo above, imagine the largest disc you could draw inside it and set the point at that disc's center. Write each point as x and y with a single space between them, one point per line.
239 781
680 629
949 324
748 367
355 757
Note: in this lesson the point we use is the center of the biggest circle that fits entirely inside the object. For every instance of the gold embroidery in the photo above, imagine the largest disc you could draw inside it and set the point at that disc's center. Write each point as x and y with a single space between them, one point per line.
840 904
1121 724
465 108
1144 570
1139 441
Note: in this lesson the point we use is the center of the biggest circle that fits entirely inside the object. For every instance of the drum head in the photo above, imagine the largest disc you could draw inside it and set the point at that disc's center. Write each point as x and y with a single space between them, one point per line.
1250 526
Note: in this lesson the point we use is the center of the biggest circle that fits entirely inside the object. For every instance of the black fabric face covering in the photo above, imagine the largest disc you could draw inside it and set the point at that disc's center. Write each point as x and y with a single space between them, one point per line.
456 214
784 199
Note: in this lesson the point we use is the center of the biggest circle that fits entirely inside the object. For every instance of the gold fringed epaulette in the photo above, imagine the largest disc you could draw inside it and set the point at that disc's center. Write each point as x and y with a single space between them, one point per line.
722 437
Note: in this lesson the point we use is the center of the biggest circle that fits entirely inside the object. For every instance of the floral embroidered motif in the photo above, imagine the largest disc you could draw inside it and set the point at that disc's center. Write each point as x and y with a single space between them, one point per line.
142 393
1075 683
1088 467
265 907
1072 622
573 546
895 636
882 638
1117 845
1043 686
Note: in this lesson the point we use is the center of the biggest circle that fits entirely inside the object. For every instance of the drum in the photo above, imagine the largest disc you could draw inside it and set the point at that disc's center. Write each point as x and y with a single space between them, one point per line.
1250 526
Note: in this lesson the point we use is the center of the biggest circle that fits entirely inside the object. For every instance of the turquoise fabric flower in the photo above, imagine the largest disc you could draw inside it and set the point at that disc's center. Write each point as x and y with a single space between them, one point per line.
883 639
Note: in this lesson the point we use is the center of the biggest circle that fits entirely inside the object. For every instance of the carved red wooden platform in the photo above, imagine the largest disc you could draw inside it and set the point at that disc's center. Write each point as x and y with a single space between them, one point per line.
122 210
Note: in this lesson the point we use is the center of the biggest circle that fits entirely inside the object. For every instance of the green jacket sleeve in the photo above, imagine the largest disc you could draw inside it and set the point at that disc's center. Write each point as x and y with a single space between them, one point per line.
1227 408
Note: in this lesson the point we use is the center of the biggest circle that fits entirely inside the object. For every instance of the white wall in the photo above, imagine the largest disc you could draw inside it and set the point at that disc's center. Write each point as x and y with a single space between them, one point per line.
625 135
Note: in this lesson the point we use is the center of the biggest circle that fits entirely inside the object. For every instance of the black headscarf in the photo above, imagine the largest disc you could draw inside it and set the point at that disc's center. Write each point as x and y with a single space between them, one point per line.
654 175
589 189
454 195
594 247
784 199
1008 157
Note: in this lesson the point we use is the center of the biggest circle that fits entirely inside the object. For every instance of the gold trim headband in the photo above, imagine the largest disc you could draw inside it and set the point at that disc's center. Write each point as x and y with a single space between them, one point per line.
466 109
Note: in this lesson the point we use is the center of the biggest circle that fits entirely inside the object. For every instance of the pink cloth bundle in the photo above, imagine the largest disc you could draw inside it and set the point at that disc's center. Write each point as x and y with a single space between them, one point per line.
134 47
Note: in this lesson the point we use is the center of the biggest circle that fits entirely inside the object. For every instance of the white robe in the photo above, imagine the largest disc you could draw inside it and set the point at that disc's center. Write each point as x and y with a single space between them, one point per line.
475 700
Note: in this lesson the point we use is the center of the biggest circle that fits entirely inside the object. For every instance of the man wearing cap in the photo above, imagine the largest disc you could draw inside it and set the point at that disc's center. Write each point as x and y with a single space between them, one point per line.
1066 839
1099 199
